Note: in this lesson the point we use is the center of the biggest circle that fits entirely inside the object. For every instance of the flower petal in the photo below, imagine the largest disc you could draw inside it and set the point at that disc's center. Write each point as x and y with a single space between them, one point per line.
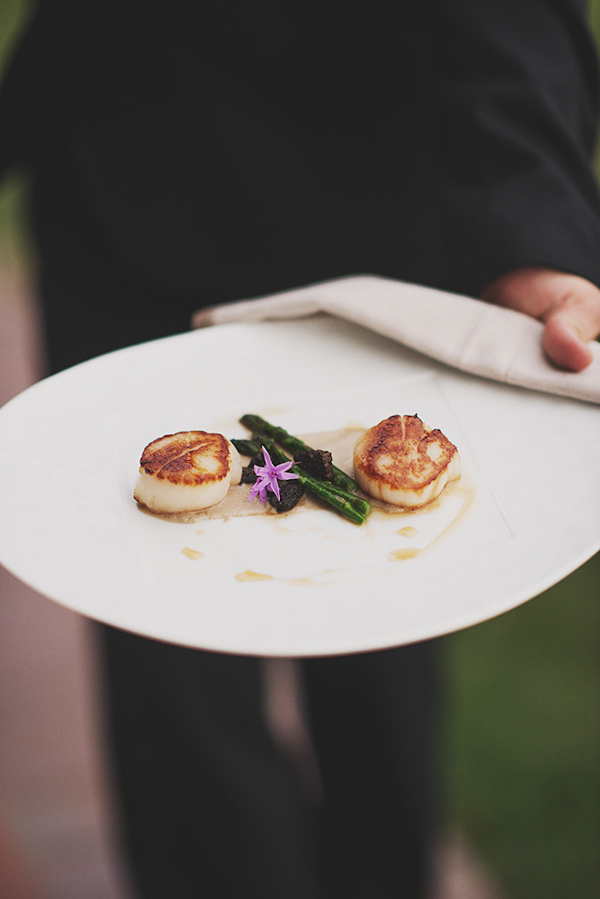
268 477
287 476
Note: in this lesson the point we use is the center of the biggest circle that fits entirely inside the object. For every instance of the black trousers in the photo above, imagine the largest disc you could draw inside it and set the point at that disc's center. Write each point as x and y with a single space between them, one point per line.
212 806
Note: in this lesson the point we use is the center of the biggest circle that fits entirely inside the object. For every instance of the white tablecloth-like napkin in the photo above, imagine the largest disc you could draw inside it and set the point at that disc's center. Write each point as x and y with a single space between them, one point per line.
460 331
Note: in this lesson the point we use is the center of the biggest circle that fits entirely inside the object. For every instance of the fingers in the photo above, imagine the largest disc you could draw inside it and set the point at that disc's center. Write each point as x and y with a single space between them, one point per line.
567 304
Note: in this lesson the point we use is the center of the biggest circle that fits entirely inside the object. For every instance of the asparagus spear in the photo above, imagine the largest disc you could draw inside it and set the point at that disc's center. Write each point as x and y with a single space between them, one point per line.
258 425
353 507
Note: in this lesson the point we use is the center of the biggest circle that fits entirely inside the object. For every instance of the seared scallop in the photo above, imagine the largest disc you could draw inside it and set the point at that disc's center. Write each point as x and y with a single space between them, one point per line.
403 462
186 472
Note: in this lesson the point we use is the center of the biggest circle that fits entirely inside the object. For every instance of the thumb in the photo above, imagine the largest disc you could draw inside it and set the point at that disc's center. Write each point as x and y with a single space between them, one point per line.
569 327
568 305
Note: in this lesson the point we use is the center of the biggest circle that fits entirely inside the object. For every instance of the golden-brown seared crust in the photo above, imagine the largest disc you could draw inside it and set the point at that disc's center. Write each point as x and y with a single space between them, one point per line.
397 452
187 458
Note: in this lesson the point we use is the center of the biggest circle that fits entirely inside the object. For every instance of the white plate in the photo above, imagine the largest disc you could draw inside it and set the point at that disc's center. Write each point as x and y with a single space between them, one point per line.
69 451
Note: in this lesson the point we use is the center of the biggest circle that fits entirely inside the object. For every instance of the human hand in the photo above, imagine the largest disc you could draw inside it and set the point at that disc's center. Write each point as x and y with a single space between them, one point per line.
568 305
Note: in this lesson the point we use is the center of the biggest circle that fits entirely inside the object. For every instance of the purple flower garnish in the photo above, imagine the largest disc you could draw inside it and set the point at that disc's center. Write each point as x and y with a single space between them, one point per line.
268 476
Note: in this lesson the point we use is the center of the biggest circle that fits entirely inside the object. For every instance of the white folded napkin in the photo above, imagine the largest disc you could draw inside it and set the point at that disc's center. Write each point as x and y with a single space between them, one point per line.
468 334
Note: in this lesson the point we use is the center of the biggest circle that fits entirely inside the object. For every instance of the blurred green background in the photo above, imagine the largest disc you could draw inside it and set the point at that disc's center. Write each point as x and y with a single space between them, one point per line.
521 779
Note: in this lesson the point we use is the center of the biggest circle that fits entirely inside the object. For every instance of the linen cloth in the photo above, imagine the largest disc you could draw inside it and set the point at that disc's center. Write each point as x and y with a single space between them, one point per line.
460 331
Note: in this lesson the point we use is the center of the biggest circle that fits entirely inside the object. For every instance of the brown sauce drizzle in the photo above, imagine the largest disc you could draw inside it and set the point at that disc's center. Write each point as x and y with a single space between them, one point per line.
253 576
192 553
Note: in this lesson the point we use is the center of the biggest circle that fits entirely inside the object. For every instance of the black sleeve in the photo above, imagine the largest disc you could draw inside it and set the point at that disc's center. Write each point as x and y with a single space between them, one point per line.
22 101
518 90
37 85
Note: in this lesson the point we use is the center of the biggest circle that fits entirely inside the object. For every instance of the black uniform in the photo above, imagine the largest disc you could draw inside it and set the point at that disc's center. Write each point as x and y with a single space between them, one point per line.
192 153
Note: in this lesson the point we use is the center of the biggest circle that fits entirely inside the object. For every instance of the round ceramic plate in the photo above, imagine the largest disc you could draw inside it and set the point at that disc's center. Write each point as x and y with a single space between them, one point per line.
524 515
